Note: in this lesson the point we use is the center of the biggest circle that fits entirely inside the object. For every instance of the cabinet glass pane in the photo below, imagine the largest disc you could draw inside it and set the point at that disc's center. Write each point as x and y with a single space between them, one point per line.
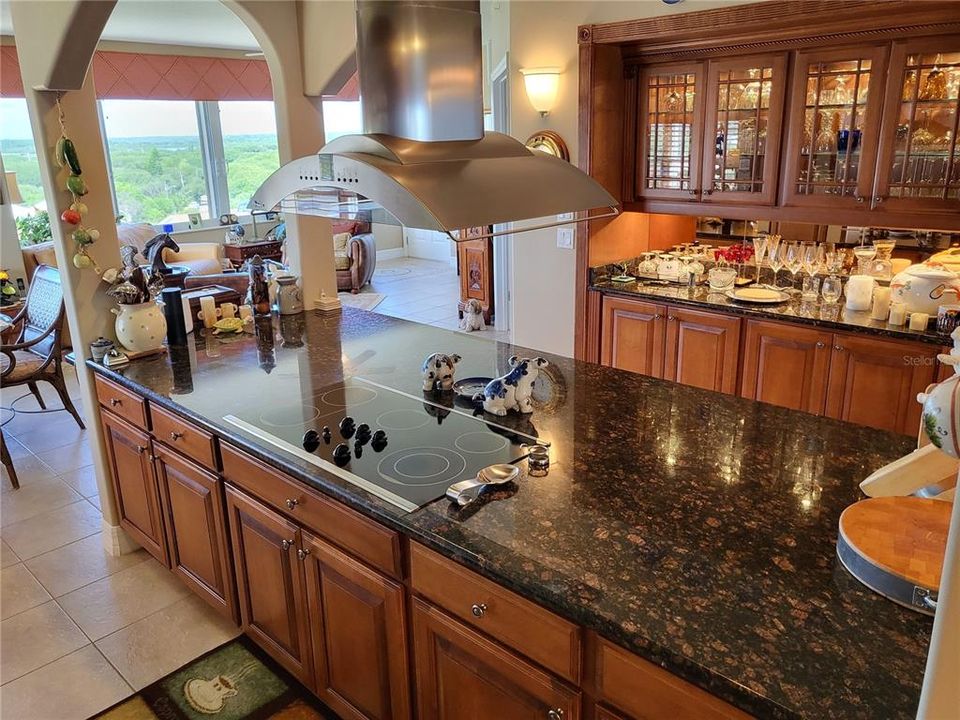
670 103
926 159
834 115
743 114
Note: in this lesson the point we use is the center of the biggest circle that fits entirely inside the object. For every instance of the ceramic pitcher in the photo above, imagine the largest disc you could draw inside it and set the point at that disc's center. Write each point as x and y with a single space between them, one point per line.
140 327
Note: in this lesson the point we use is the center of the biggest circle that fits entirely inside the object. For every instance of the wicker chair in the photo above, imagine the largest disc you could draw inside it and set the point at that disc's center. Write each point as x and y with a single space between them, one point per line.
37 355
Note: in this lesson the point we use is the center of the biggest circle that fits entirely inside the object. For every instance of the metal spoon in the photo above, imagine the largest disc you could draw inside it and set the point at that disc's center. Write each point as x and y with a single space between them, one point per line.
466 491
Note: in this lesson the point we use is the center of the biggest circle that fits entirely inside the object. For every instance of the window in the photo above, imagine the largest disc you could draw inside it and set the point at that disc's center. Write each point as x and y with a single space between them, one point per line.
156 160
20 153
249 132
341 117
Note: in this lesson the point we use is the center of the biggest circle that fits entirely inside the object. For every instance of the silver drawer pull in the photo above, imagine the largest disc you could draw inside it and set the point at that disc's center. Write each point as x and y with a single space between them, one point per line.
292 503
555 714
302 554
479 610
141 449
286 544
115 401
176 435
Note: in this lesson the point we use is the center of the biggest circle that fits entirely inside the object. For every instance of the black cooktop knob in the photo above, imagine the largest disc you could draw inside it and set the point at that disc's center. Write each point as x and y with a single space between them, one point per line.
358 449
380 436
341 454
326 434
363 434
311 440
347 427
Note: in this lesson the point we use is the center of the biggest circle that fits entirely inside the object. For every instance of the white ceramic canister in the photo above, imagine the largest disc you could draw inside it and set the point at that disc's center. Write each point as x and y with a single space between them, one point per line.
141 327
289 295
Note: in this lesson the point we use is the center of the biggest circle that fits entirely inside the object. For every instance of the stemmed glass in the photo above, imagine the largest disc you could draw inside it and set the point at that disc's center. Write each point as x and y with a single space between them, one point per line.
776 259
793 260
759 251
810 260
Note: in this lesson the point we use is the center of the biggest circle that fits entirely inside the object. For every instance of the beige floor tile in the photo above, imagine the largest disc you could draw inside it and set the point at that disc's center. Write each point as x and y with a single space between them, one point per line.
74 687
95 501
58 432
78 564
29 470
34 498
157 645
7 556
16 449
69 457
46 532
34 638
116 601
19 591
83 480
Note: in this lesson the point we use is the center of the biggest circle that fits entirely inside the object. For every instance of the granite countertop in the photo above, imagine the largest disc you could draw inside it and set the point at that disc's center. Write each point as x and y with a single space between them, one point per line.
819 314
693 528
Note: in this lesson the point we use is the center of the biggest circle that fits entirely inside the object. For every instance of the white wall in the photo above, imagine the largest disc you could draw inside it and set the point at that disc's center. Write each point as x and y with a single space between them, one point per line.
545 34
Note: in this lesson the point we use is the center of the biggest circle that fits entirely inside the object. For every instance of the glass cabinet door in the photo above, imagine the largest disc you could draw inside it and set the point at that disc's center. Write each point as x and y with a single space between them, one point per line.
670 130
743 117
920 155
834 127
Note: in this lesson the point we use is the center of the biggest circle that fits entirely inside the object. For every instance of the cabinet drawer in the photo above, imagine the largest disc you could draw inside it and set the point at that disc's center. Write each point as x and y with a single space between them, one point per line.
173 431
120 401
366 539
644 690
528 628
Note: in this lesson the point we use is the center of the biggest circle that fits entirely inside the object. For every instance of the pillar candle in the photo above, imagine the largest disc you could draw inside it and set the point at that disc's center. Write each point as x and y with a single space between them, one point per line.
919 320
208 309
898 314
881 304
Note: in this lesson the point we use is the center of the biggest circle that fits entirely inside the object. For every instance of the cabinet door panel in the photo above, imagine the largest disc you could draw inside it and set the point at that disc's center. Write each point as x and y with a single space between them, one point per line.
358 622
875 382
138 497
834 119
786 365
670 126
196 530
273 603
744 114
463 676
632 335
702 349
919 158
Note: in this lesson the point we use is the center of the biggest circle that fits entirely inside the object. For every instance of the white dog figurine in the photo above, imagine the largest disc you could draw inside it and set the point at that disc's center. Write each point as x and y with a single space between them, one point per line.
438 370
472 316
513 390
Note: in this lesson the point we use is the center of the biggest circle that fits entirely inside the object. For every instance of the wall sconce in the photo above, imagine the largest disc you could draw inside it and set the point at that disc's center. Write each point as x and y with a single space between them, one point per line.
542 85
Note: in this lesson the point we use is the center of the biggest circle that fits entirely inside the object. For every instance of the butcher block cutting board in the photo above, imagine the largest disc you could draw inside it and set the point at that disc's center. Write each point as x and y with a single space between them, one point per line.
895 546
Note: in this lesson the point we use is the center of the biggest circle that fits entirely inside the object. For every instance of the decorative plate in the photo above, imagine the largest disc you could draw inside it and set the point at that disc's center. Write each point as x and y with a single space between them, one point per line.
468 387
762 296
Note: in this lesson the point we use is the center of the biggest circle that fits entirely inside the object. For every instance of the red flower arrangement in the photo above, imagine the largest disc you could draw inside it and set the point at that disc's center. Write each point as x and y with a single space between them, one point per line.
735 254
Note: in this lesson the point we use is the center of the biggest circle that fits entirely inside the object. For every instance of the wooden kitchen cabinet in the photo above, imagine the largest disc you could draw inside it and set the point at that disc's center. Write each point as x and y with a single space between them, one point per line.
270 583
359 635
461 674
919 162
702 349
195 521
633 335
875 382
743 118
786 365
129 457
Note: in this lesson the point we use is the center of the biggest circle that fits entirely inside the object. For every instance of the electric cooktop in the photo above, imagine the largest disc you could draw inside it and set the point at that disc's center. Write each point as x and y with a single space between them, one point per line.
404 449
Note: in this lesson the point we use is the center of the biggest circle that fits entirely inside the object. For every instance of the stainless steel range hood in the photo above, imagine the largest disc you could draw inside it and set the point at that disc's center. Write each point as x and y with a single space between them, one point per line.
424 158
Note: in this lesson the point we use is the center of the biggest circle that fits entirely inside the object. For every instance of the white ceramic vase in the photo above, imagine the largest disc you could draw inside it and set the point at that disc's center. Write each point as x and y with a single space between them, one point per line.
941 414
140 327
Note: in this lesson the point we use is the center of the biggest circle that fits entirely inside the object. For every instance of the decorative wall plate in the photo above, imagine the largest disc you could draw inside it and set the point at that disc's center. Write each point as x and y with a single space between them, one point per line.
549 142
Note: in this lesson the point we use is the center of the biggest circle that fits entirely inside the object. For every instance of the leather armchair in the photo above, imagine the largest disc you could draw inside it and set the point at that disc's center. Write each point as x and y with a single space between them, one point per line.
363 261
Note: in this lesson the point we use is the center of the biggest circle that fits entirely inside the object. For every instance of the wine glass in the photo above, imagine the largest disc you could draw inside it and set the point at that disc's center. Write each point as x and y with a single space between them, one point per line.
831 289
776 260
793 259
760 250
810 261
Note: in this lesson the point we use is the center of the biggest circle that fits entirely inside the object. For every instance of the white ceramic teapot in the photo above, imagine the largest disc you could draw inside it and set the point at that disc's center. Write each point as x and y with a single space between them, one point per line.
921 288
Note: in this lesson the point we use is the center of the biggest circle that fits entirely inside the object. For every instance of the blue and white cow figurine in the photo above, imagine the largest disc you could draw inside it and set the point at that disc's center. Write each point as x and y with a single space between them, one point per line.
513 390
438 371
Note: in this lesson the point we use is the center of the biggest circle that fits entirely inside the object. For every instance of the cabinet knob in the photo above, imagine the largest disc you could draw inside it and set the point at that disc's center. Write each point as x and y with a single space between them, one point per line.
479 610
115 401
820 344
838 348
555 714
302 554
693 192
877 199
859 198
657 316
292 503
708 191
286 544
176 435
141 449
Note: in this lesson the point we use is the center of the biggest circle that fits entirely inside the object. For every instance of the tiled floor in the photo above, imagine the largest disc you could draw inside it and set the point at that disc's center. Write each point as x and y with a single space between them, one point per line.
79 629
424 291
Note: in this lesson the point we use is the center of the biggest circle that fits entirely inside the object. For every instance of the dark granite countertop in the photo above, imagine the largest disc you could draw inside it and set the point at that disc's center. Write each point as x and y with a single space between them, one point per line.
819 314
693 528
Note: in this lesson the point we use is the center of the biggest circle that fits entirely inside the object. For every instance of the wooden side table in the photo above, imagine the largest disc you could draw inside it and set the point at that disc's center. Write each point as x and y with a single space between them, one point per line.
266 249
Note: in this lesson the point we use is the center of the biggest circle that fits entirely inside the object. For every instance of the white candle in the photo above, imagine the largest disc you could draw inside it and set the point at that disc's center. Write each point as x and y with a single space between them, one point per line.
898 314
246 312
208 311
919 320
881 304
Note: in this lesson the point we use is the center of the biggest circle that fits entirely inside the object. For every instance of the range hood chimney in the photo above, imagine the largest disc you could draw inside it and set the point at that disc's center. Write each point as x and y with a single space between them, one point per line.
424 157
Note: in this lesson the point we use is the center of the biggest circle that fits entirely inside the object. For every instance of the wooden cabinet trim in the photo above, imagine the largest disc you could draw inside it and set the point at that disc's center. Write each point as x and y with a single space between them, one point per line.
648 316
122 402
545 638
723 377
217 586
364 538
338 586
185 437
437 634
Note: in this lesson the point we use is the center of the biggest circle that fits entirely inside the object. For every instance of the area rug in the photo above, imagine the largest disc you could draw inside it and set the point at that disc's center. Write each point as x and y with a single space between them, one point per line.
362 300
236 681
